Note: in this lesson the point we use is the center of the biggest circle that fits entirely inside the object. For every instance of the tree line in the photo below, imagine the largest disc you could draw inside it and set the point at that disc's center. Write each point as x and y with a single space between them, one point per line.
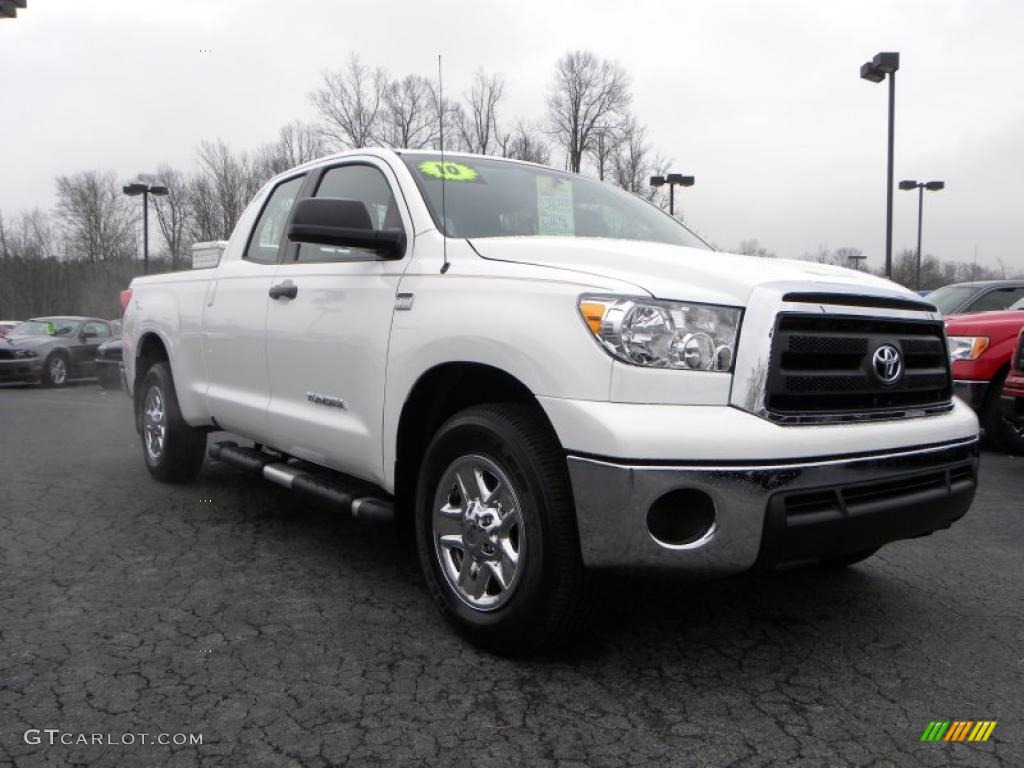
76 257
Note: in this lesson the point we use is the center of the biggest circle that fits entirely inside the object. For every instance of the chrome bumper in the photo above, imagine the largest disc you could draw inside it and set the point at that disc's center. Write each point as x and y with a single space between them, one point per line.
770 513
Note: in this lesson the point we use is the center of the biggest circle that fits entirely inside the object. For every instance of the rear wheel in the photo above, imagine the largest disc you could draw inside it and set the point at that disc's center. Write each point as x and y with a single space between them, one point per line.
496 530
56 370
173 450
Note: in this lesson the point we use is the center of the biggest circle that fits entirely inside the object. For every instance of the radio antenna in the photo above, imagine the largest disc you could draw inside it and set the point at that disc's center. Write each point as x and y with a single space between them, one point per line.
444 215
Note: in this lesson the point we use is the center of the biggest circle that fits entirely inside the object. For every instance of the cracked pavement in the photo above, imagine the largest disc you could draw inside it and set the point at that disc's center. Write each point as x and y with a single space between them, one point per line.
288 635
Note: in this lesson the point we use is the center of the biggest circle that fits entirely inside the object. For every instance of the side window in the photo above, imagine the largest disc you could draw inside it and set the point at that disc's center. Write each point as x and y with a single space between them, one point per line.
1000 298
367 185
266 235
99 330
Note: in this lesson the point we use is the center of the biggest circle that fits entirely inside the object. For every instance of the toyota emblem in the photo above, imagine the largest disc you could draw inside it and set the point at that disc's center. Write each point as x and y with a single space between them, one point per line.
888 364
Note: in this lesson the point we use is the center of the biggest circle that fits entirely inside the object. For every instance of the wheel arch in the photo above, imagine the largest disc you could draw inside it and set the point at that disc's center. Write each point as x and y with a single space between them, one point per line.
439 393
150 350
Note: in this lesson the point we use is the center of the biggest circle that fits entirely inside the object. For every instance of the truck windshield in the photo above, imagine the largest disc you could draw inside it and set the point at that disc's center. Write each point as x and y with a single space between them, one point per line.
501 198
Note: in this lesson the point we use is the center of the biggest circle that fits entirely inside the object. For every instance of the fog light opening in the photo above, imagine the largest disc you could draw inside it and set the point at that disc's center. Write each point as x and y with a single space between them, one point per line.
681 517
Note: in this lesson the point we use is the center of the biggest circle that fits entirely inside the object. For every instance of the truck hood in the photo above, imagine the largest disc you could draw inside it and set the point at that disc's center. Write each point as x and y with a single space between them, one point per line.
673 271
978 323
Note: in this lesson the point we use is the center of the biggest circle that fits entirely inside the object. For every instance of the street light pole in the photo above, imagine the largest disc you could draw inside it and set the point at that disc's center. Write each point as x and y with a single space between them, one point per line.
931 186
672 179
875 71
889 174
138 188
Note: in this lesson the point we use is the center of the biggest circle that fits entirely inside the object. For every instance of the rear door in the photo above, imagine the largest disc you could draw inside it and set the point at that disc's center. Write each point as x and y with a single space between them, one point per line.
235 321
327 346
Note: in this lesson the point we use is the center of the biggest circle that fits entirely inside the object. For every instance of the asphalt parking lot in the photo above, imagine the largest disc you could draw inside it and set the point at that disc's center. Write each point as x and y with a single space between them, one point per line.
286 635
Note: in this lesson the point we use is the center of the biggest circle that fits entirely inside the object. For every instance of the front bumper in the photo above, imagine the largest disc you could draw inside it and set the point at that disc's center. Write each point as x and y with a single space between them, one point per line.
24 369
971 392
772 513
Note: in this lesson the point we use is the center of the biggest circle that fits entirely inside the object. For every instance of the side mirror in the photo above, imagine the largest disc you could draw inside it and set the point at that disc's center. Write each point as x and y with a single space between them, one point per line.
343 223
86 335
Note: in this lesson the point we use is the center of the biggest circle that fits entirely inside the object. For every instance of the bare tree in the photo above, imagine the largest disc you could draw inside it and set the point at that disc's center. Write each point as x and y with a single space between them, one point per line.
525 142
451 116
204 216
409 117
231 181
97 220
587 92
634 163
823 255
479 124
172 211
753 248
350 102
298 143
608 137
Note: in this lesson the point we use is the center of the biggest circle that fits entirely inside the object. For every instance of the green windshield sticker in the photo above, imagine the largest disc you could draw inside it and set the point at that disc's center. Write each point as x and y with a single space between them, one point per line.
554 207
448 170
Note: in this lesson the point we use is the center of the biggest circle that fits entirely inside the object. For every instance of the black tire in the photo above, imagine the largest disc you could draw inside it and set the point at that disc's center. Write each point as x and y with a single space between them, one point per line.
549 595
56 370
844 561
999 434
178 458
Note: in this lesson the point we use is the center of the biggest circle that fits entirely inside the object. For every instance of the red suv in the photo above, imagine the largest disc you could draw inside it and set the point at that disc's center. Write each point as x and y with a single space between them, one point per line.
1013 392
981 347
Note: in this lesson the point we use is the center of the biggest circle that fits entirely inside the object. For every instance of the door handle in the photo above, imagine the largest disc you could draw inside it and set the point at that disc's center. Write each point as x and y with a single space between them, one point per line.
285 290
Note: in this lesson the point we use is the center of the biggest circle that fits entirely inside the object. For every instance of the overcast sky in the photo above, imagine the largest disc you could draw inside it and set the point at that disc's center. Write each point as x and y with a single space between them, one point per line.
760 100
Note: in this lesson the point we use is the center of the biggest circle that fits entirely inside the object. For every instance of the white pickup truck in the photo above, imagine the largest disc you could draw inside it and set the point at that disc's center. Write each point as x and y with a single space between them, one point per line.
538 374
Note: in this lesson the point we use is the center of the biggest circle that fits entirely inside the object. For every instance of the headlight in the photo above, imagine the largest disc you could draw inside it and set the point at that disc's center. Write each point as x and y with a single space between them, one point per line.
966 347
663 334
22 353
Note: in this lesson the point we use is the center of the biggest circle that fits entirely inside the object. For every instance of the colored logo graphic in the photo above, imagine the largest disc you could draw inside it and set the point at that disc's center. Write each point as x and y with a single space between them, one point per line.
958 730
448 171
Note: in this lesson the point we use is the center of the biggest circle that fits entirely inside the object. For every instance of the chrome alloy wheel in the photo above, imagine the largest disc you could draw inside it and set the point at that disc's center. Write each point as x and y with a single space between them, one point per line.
479 536
154 423
58 371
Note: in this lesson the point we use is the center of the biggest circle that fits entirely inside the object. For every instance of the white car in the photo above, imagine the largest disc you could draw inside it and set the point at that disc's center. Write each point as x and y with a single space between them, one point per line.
541 375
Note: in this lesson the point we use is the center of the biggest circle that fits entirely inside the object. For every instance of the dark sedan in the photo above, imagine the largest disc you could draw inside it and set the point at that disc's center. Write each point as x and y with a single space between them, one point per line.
981 296
52 350
109 369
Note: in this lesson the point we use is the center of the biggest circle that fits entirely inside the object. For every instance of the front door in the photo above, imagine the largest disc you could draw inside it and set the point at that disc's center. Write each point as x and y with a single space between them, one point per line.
327 345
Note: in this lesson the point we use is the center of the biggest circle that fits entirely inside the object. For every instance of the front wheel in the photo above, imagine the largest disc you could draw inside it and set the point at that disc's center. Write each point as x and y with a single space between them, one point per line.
173 450
56 370
496 530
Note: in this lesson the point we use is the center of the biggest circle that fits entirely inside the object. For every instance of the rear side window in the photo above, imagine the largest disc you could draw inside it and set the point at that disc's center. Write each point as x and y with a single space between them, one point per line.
1001 298
367 185
269 230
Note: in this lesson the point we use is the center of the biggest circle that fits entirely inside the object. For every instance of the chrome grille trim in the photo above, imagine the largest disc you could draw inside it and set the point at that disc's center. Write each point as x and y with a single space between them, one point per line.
754 353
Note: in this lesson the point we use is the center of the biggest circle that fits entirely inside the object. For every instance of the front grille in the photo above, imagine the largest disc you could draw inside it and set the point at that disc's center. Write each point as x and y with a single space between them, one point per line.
823 366
6 354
